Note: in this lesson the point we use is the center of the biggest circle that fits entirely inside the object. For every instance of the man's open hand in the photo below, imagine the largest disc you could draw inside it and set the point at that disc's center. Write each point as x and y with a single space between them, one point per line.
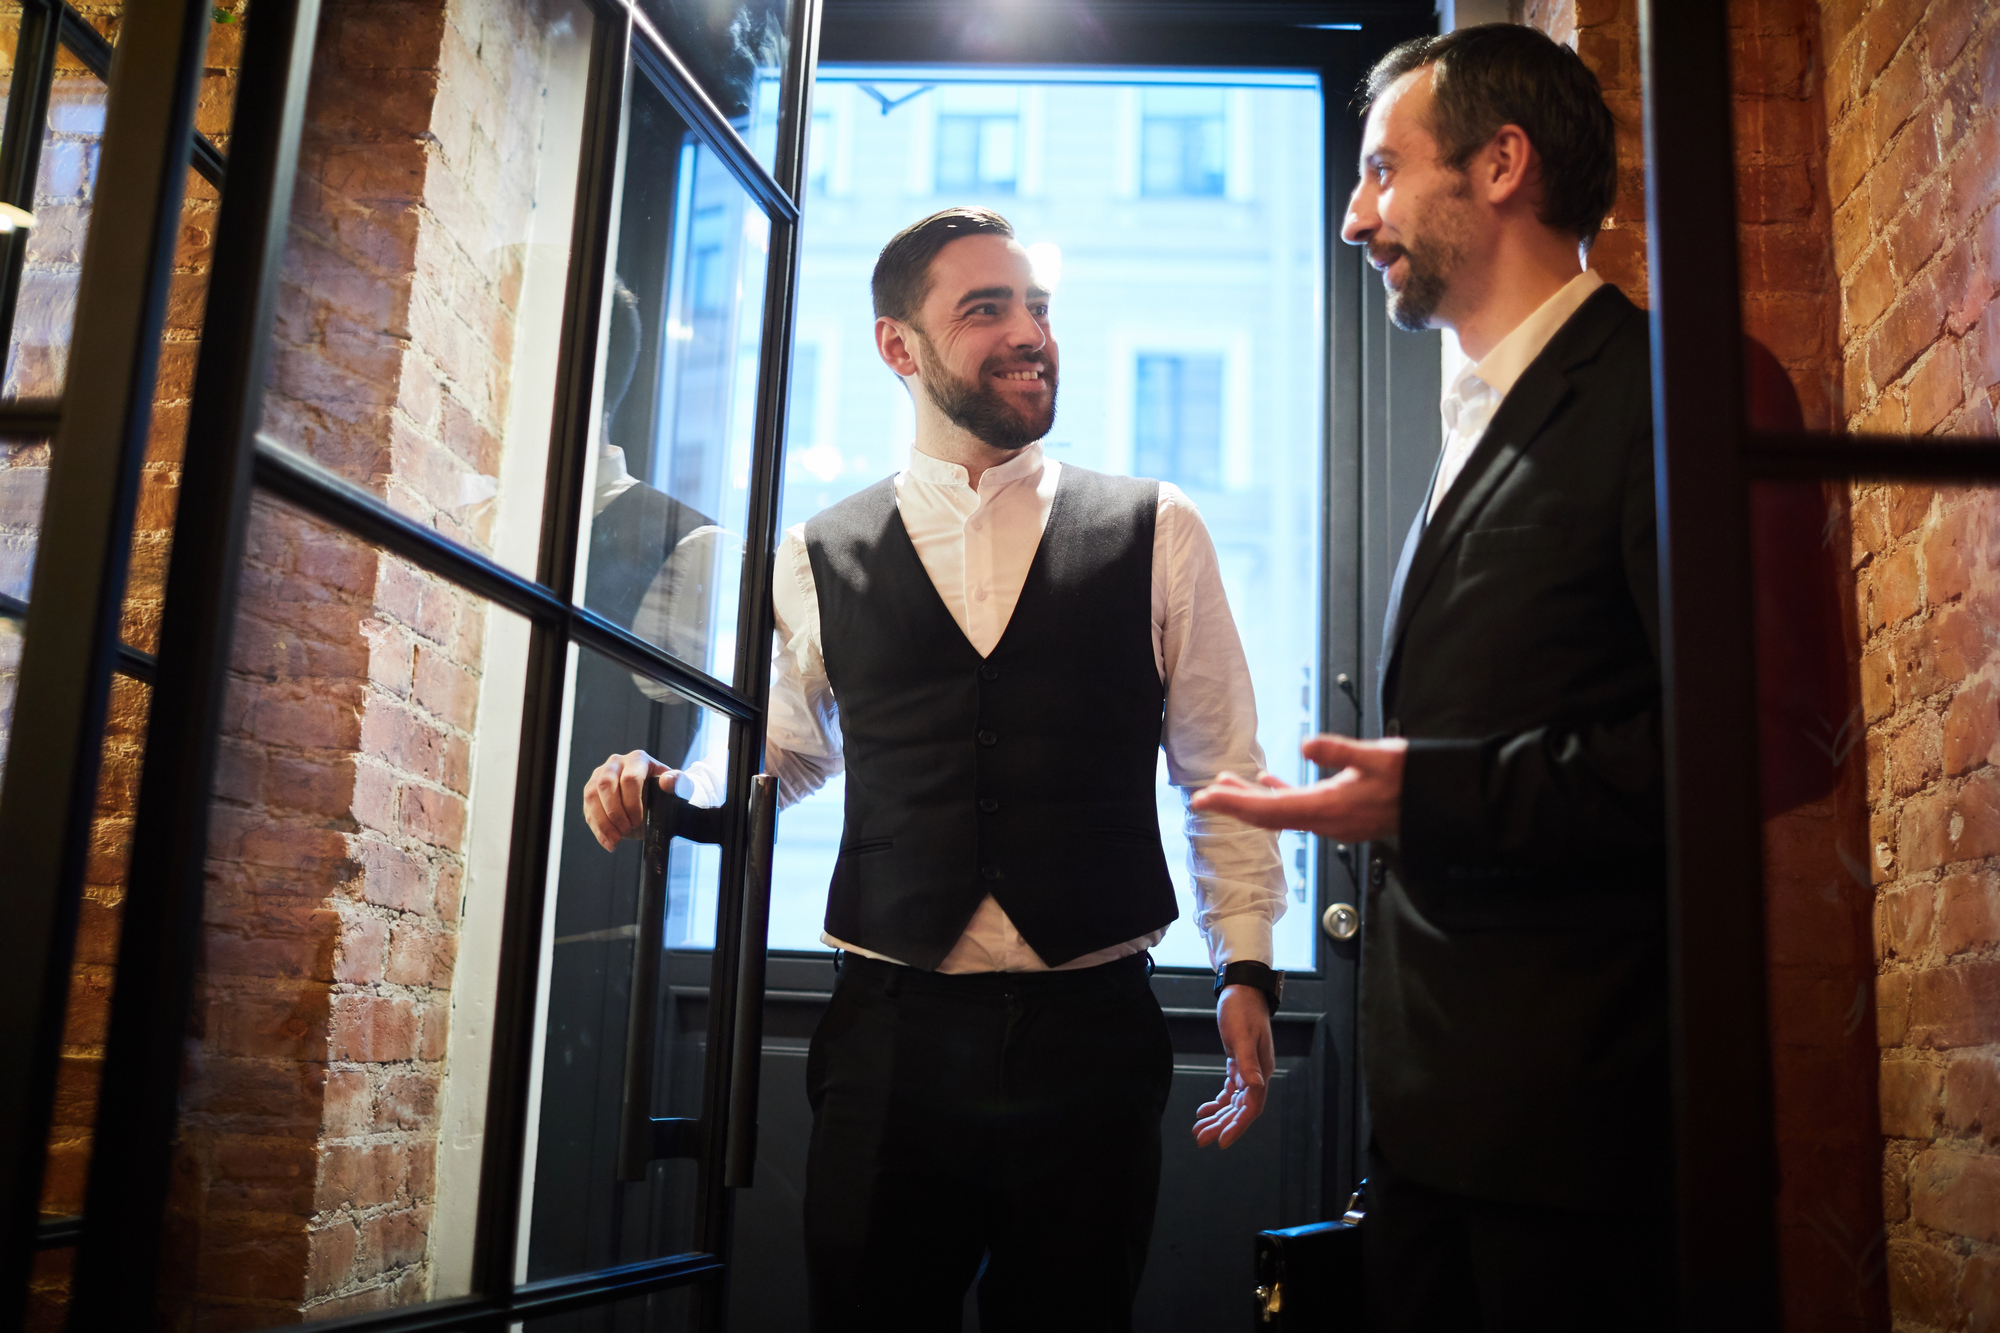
1245 1022
614 800
1361 802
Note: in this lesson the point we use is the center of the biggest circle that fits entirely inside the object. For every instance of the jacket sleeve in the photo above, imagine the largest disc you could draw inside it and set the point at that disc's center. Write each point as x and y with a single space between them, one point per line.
1569 798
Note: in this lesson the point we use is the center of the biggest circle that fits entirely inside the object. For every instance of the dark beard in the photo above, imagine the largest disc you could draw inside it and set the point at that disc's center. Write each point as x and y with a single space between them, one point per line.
985 414
1435 257
1411 307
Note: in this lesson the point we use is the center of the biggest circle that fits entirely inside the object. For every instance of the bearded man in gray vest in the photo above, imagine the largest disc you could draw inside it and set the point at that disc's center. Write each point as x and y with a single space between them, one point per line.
995 646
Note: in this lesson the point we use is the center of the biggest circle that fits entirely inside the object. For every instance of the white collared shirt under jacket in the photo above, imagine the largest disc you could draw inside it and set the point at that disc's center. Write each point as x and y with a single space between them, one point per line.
977 546
1476 392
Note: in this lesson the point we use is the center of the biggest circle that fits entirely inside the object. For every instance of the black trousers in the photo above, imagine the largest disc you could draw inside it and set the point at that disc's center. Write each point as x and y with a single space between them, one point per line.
1003 1126
1444 1263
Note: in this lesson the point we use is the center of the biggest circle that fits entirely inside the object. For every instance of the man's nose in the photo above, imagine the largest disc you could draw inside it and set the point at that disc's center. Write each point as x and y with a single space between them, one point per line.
1361 221
1026 331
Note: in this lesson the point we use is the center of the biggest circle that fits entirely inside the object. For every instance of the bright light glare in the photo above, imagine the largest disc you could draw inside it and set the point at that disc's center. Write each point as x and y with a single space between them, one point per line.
1045 258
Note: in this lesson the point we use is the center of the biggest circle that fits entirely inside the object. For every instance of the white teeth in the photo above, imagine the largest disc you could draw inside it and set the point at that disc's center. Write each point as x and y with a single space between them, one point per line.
1021 375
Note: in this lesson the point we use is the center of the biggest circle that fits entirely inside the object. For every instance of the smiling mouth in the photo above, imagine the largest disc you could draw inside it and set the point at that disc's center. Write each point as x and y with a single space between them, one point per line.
1020 376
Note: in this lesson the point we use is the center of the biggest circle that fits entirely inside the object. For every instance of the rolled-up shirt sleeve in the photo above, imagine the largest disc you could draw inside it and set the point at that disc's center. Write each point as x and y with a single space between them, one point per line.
1211 728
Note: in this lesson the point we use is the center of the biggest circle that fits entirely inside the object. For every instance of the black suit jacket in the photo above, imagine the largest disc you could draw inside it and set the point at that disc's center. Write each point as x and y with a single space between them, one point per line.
1514 991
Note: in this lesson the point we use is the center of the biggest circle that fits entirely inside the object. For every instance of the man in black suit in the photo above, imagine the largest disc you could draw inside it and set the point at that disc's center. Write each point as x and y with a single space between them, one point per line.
1514 989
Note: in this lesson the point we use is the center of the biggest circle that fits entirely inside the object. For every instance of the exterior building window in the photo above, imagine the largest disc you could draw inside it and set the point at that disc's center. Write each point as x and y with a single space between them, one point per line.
818 151
1180 142
710 260
978 151
1177 420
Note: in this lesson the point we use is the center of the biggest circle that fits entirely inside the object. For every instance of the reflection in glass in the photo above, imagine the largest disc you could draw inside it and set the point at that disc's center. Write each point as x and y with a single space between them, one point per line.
10 674
38 355
420 305
672 486
736 51
334 1090
583 1216
1224 401
669 1311
24 479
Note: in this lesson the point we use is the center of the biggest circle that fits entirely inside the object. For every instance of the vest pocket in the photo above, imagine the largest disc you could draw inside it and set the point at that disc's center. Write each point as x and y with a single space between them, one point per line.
871 845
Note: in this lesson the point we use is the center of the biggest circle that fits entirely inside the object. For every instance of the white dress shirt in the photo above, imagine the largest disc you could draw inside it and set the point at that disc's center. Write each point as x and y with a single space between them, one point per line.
1475 393
977 546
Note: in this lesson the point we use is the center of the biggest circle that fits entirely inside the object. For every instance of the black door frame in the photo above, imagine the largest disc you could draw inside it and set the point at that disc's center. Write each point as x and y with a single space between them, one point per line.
1705 457
1378 395
100 435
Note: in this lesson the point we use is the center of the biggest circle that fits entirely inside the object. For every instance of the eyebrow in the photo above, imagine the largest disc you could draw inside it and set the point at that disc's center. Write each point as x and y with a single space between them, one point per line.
1000 294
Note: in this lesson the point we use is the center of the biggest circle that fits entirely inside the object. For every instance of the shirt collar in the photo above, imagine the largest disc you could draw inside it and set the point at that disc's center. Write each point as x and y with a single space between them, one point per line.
923 467
1514 353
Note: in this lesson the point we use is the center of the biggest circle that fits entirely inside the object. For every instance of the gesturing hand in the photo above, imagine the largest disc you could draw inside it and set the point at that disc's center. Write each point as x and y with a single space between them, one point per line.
1362 801
614 800
1245 1022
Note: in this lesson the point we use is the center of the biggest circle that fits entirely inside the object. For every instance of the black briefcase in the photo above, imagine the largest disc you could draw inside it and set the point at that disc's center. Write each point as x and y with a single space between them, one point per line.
1309 1278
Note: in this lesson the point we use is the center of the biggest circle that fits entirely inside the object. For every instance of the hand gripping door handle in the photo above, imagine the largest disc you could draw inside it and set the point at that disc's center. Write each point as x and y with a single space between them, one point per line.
746 1057
644 1138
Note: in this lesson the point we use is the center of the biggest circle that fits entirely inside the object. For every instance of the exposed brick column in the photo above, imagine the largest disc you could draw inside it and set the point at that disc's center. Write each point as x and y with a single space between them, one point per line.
1817 905
338 849
1913 161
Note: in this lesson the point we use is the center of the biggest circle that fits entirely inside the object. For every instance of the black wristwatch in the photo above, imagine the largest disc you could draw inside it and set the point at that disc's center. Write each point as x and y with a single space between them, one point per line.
1265 979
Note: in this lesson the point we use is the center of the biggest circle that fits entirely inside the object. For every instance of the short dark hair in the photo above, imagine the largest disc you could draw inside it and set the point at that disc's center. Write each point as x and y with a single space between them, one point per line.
903 272
1497 74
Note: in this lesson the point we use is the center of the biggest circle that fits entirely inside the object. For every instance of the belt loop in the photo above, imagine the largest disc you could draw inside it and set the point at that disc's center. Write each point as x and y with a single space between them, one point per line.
1149 964
839 957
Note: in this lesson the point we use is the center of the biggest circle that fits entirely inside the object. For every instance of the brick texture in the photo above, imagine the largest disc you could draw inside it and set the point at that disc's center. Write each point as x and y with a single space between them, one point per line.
1831 1101
37 365
312 1097
1913 152
310 1130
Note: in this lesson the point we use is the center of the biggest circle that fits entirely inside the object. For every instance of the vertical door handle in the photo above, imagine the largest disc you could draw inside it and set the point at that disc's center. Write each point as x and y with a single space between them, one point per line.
642 1137
747 1052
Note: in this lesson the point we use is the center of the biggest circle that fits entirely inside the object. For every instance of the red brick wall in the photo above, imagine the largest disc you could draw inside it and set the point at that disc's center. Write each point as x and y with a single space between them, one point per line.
338 852
1914 167
38 366
1818 909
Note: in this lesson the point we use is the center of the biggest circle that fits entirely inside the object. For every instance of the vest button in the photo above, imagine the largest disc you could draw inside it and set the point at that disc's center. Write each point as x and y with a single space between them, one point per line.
988 738
989 872
988 804
989 672
1377 872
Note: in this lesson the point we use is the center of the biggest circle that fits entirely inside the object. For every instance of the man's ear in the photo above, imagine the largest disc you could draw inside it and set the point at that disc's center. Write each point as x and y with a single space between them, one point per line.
892 343
1507 168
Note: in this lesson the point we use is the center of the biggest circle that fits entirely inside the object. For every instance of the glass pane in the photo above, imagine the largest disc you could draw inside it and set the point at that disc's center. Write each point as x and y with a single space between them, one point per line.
45 311
736 51
583 1215
1224 401
669 1311
10 672
333 1097
420 305
672 482
1879 782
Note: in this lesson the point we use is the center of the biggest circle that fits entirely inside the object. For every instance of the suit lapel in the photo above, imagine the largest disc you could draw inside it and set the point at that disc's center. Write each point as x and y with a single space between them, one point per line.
1520 418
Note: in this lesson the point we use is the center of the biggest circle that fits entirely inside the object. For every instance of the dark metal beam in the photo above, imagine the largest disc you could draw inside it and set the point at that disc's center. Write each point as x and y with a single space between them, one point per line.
138 1099
1872 457
88 45
71 637
35 47
29 418
332 497
1726 1173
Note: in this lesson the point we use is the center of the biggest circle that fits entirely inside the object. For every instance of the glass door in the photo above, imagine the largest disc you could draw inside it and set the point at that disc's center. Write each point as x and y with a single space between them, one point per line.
491 388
